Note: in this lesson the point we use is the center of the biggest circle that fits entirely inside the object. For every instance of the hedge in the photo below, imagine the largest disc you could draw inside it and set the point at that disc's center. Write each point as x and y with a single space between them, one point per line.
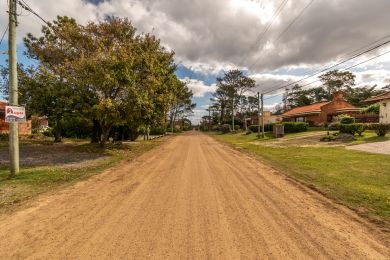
295 127
380 129
267 128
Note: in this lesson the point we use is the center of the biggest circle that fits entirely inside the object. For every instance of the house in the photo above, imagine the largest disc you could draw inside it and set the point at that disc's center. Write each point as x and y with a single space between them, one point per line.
384 108
269 118
322 113
24 128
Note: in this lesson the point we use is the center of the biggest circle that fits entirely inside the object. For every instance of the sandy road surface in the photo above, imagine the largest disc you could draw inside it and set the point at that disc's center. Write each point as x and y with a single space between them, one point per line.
190 198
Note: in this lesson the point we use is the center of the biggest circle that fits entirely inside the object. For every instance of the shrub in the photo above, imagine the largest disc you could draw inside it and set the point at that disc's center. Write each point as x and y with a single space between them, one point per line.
225 128
348 128
267 128
215 128
334 126
328 138
237 127
158 130
361 128
380 129
344 119
347 120
295 127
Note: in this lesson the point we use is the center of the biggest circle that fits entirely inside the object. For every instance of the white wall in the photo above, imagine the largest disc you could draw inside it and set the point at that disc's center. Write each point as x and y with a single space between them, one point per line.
384 113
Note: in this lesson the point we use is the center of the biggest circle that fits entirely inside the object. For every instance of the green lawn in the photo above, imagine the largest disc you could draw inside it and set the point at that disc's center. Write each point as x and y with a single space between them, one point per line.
357 179
32 181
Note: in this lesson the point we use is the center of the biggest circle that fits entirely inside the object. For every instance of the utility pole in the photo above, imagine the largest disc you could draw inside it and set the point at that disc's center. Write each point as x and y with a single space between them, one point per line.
13 89
262 115
209 119
258 114
233 113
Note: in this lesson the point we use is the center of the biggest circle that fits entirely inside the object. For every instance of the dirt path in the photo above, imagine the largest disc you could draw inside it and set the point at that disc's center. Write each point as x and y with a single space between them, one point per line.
190 198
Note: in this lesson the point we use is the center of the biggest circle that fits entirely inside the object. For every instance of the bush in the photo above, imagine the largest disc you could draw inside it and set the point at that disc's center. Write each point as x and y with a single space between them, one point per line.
267 128
225 128
237 127
380 129
328 138
347 120
348 128
157 130
215 128
295 127
344 119
334 126
361 128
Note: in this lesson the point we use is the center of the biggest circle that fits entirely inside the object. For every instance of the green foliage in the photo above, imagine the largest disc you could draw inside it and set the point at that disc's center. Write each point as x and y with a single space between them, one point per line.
267 128
344 119
225 128
334 126
76 127
361 128
237 127
374 108
380 129
295 127
158 130
104 73
349 128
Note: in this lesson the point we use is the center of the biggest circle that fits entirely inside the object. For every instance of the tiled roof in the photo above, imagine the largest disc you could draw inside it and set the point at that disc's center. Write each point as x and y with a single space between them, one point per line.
379 97
310 109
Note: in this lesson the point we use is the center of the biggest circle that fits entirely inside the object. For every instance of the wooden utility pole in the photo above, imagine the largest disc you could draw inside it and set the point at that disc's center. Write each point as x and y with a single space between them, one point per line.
258 114
13 89
262 115
233 113
209 119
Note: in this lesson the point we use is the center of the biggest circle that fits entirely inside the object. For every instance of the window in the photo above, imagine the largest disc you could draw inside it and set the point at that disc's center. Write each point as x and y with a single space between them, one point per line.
300 119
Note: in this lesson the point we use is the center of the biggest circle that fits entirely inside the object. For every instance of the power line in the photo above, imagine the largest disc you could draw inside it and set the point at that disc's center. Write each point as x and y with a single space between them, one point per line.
330 67
5 31
345 69
25 6
287 28
262 34
294 20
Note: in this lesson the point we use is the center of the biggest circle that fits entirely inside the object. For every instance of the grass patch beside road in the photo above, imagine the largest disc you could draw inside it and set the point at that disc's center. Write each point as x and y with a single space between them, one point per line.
34 180
357 179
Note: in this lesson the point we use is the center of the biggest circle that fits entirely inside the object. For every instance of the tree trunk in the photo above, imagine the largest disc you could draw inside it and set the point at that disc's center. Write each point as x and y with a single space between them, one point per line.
58 131
105 132
95 132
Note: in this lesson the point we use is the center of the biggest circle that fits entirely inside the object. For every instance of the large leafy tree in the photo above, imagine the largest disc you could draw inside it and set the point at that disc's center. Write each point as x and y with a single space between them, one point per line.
337 80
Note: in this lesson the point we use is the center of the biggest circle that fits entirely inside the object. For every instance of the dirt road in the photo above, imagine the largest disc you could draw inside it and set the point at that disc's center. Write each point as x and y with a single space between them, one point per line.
190 198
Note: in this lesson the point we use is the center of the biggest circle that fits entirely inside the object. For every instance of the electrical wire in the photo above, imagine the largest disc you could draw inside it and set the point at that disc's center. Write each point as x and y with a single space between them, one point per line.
2 37
330 67
345 69
260 37
286 29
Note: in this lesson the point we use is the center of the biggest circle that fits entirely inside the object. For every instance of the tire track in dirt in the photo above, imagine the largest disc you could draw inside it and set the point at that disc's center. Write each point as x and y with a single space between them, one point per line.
193 198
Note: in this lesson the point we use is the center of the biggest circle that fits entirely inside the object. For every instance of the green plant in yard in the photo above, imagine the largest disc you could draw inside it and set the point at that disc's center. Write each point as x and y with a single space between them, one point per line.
225 128
380 129
295 127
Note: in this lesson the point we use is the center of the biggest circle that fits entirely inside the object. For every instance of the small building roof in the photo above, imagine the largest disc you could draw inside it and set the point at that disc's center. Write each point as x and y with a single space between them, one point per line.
380 97
305 110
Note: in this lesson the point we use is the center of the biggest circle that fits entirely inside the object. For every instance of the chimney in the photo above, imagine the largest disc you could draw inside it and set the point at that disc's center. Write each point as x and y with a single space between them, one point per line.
338 95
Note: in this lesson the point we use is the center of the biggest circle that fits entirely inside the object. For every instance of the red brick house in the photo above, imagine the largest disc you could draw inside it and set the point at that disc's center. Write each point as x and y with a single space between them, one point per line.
24 128
322 113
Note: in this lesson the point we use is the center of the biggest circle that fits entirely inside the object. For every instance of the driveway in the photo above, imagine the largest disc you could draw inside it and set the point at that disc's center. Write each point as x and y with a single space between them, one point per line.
379 147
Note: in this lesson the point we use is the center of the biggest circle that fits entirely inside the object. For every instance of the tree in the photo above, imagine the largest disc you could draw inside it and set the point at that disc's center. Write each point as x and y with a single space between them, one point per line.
232 86
337 80
45 90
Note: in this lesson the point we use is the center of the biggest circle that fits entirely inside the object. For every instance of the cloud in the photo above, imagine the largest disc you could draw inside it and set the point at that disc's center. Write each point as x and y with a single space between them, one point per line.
199 88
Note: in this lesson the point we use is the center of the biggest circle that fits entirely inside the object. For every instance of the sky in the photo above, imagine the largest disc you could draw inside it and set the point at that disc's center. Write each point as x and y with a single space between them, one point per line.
212 37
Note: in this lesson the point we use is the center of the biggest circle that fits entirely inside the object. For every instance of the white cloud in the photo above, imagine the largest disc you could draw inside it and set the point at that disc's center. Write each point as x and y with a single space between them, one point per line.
198 87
